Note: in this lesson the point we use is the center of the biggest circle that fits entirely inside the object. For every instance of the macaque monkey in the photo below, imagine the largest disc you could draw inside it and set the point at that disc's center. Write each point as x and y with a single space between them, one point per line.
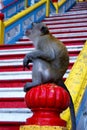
50 61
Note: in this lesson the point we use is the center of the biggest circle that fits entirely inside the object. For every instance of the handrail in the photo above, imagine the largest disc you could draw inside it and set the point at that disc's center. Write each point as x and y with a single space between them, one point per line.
60 3
13 20
77 81
25 12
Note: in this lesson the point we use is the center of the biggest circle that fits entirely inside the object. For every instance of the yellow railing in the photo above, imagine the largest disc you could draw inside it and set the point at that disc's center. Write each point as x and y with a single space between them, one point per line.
77 82
65 4
25 12
59 4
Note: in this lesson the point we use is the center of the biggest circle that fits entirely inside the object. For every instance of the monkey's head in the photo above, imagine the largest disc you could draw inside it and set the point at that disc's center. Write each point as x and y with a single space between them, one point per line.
37 29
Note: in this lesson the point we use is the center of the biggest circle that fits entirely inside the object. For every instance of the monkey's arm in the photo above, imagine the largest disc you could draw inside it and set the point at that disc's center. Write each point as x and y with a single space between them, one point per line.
37 54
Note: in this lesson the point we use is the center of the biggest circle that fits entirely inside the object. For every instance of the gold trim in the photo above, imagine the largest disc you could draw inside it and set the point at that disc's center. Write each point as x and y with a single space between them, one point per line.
36 127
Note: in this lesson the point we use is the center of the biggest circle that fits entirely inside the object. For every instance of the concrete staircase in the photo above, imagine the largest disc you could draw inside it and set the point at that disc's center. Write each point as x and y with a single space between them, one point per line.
70 28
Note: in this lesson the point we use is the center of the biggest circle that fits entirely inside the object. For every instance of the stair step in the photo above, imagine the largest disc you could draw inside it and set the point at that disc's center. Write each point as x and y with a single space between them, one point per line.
84 8
79 6
67 25
30 45
71 17
12 103
14 115
27 50
13 83
13 65
69 14
82 2
20 75
19 62
57 21
64 40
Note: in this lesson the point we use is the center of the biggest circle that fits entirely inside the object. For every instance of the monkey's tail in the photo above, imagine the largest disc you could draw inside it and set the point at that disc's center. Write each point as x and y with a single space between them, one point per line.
72 110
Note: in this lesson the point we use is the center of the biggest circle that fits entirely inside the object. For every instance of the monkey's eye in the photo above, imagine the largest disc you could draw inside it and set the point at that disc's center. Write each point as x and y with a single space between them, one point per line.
44 30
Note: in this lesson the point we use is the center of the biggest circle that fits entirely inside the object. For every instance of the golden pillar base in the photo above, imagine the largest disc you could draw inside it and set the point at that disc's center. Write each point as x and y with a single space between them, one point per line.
36 127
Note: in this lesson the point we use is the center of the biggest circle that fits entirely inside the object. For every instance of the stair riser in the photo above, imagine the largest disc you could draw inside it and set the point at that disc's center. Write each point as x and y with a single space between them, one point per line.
13 68
69 14
72 22
77 9
68 32
16 46
13 83
12 104
18 68
80 6
66 26
15 53
67 18
9 127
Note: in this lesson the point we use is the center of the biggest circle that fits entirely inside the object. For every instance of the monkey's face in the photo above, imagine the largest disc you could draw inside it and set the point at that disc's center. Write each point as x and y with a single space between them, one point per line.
36 30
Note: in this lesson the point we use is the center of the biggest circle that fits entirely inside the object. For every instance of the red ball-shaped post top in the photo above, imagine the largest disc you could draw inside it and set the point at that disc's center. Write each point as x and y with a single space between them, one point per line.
1 16
47 96
47 101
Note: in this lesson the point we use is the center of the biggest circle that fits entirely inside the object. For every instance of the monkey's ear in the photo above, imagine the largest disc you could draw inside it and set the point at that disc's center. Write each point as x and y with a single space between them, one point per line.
44 30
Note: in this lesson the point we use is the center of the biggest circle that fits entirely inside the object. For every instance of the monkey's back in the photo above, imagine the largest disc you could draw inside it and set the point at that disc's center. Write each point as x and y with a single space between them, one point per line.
55 48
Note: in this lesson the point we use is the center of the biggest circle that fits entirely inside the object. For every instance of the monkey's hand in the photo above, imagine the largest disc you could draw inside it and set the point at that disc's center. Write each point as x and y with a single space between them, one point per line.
26 61
27 87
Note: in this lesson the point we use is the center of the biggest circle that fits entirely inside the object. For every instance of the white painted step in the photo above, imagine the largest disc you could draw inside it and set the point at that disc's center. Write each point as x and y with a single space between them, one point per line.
68 25
81 34
68 29
16 51
15 115
63 40
18 62
12 92
65 21
66 17
69 14
16 75
19 75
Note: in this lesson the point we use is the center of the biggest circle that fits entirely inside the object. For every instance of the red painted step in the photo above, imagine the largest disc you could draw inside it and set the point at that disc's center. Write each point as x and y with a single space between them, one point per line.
13 83
10 125
12 103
